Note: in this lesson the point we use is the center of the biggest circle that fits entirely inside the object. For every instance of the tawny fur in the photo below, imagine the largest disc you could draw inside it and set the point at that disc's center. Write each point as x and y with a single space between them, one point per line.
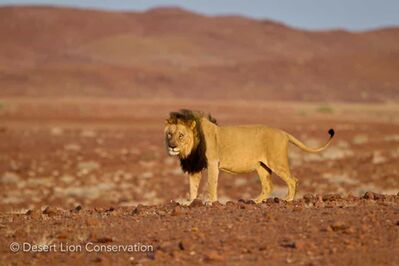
233 149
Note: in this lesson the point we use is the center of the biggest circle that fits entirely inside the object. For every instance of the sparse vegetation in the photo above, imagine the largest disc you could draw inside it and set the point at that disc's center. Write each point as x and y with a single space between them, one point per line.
326 109
302 112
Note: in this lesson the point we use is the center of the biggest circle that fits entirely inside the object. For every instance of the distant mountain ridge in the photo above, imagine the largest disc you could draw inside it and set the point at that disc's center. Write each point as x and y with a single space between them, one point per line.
171 52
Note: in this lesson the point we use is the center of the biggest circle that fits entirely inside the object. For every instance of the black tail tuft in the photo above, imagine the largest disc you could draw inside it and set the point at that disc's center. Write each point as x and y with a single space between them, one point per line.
331 132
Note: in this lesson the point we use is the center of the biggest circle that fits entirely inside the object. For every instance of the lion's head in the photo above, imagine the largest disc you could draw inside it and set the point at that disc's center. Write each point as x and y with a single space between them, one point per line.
180 137
184 138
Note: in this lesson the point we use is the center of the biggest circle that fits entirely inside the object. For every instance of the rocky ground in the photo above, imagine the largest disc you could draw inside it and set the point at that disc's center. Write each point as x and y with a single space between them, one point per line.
313 230
79 171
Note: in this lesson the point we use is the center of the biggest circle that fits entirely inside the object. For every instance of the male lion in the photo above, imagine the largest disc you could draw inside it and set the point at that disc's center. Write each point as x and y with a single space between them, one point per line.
200 143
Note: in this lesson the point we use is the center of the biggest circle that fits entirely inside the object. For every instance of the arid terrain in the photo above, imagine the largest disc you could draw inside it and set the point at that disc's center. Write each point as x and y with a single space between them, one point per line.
75 171
170 52
83 99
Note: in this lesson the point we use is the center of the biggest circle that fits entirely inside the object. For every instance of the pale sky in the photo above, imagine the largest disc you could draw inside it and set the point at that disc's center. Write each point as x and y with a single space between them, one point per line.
307 14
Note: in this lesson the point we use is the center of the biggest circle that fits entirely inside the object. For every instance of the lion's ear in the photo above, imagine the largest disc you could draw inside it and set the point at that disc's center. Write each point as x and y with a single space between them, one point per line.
193 124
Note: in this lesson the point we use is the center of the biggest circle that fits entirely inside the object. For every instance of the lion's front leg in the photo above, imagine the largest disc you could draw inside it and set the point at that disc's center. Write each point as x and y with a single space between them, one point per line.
213 175
195 180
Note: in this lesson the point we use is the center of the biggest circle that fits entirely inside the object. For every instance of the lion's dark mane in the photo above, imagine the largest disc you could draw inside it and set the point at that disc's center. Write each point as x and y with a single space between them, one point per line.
196 161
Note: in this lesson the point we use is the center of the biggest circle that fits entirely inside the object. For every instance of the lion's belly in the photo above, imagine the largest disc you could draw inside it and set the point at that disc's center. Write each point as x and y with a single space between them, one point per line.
234 163
241 148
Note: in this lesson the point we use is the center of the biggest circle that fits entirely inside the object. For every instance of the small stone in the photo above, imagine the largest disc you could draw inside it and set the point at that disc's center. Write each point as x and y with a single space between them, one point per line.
339 226
88 133
72 147
350 230
196 203
300 244
138 210
369 195
230 203
151 255
308 198
9 178
217 205
177 211
91 221
88 166
213 256
288 244
161 213
56 131
77 208
373 196
146 175
49 211
331 197
97 259
182 245
104 239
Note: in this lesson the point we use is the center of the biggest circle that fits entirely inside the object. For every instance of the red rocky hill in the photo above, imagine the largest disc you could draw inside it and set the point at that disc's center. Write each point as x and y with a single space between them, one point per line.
170 52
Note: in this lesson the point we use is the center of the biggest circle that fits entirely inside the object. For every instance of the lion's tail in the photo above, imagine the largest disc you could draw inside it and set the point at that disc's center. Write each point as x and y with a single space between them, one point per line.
302 146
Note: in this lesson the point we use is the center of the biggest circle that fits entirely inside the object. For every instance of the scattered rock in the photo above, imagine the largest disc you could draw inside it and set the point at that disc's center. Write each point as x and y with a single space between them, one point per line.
104 239
90 221
9 178
146 175
178 210
88 134
373 196
360 139
138 210
56 131
339 226
88 166
50 211
230 203
213 256
286 243
67 179
97 259
378 158
72 147
196 203
308 198
331 197
184 245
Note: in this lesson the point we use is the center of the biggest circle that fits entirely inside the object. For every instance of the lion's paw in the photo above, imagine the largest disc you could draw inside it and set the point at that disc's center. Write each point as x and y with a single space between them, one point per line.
184 202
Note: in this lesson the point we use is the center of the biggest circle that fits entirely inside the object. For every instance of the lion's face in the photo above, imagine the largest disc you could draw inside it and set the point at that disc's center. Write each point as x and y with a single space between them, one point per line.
179 138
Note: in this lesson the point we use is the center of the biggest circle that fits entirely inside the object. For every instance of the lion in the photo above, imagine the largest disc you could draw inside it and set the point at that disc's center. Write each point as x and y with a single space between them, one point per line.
200 143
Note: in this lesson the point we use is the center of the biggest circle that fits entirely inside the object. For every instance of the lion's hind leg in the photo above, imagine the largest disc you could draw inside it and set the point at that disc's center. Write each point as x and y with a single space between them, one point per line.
291 182
265 178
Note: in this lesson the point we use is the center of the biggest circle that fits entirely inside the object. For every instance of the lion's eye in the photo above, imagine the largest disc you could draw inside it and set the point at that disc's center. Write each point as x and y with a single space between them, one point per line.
181 136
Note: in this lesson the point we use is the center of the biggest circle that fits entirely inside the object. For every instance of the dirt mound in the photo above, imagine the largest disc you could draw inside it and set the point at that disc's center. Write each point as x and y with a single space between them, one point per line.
169 52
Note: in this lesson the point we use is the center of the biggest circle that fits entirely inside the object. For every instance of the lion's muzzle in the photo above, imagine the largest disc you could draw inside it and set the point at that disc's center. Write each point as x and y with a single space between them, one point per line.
173 151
